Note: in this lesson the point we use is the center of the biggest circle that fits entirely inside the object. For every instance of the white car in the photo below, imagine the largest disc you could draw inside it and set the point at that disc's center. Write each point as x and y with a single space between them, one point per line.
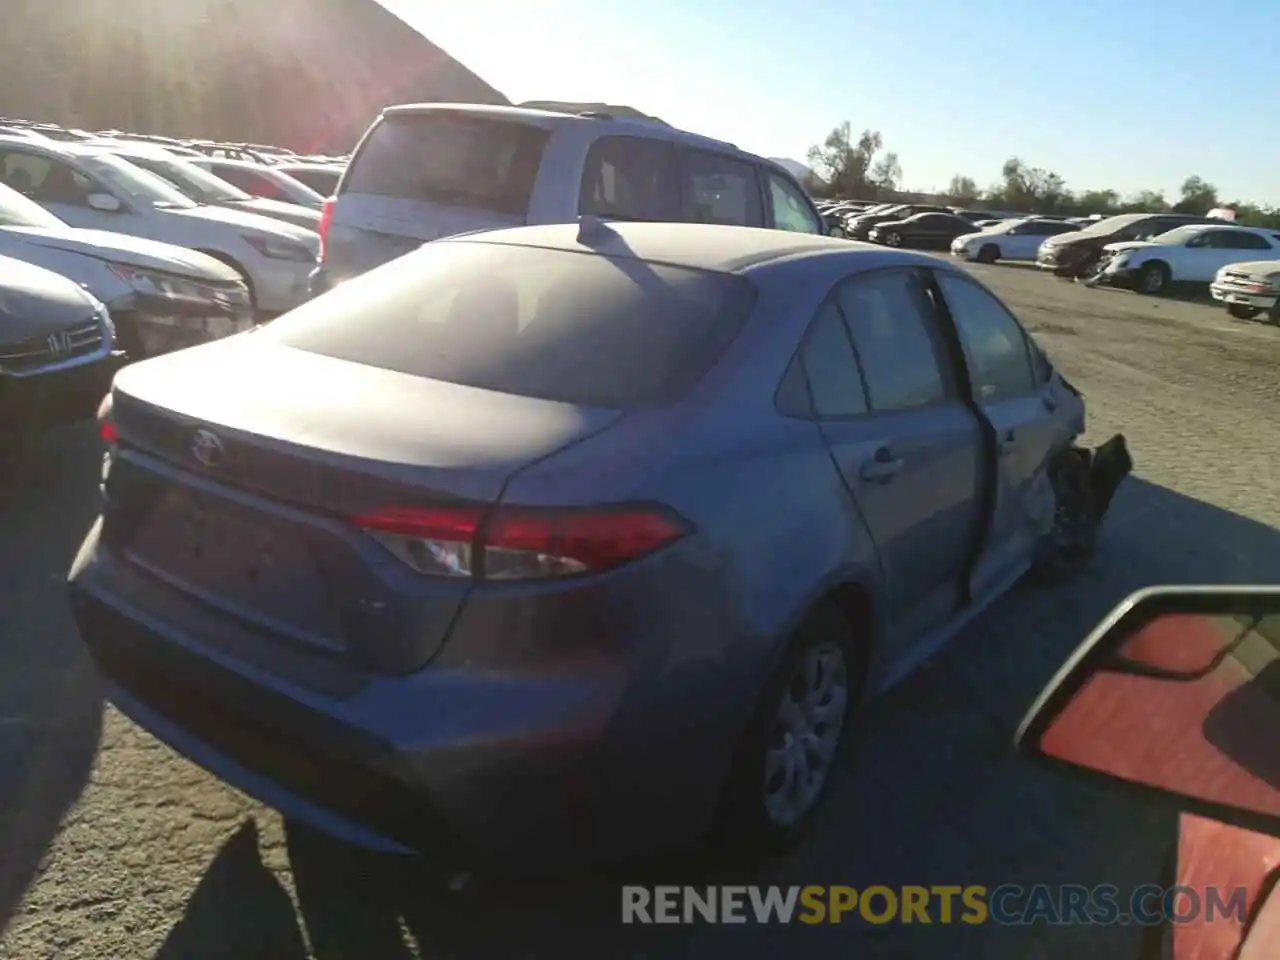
161 297
1248 289
198 184
89 187
1017 239
1190 254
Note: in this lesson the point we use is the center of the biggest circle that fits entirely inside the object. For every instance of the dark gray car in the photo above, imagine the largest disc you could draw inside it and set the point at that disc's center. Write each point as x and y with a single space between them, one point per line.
57 350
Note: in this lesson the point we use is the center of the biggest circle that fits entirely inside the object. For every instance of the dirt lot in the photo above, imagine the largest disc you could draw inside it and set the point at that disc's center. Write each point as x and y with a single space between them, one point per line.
114 847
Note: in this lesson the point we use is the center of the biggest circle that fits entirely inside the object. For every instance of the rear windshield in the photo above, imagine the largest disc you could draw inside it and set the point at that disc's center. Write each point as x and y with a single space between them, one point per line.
450 158
554 324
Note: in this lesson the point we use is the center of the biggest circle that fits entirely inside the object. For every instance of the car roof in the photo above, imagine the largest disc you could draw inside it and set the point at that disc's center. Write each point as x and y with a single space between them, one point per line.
550 119
700 246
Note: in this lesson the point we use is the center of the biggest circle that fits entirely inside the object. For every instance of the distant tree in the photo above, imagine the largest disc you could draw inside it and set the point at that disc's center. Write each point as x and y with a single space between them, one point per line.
887 172
963 190
1198 196
1025 187
1148 201
843 163
1097 201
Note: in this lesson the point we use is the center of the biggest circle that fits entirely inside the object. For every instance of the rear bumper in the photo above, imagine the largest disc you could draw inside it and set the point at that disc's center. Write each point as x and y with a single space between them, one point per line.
44 400
462 765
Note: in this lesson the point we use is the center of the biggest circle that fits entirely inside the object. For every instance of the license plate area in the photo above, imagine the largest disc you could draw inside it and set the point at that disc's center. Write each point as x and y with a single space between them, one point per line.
246 563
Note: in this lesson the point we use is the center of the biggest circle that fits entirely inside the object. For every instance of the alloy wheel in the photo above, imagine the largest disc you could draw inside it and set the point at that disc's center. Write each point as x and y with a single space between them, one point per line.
805 735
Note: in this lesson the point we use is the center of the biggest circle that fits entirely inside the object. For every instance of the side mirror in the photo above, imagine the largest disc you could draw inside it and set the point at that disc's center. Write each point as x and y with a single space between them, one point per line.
104 202
836 231
1175 695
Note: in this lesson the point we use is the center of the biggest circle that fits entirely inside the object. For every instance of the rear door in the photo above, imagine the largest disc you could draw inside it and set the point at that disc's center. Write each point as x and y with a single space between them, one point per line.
720 189
421 176
908 448
1014 390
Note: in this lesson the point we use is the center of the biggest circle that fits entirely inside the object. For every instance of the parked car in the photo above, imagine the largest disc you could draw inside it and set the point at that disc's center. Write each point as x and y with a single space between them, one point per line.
929 230
57 350
322 178
198 184
1009 239
1190 254
859 227
92 188
1249 289
1077 254
1171 701
423 172
492 572
263 181
160 297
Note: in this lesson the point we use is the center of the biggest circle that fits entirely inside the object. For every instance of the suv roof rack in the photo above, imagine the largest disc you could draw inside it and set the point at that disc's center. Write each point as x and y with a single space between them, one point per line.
596 115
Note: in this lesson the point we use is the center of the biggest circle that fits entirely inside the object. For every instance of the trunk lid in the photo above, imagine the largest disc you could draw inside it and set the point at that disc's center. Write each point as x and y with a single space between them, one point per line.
240 461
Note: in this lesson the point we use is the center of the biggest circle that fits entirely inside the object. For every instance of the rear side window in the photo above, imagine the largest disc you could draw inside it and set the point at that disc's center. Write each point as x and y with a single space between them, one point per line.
631 178
832 367
554 324
450 158
719 189
791 210
898 340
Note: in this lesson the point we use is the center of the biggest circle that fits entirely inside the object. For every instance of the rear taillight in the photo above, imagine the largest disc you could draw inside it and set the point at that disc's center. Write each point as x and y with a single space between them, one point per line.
106 425
518 543
326 218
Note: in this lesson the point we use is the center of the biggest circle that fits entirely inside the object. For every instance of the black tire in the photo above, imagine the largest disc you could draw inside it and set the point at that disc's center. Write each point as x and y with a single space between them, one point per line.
1086 267
894 239
1242 312
1153 279
1273 315
746 825
989 253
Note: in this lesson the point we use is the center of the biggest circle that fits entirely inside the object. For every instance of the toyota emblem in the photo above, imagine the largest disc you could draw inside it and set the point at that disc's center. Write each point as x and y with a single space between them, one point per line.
207 448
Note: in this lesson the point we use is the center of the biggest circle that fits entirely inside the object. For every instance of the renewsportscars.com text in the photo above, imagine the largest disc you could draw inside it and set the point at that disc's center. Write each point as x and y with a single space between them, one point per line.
1008 904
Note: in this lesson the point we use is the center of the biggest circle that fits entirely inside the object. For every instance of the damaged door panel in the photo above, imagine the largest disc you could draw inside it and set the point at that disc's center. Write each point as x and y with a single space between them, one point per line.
1032 415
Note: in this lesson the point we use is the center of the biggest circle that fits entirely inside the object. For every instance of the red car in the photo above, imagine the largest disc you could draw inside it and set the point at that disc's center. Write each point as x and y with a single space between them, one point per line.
1176 695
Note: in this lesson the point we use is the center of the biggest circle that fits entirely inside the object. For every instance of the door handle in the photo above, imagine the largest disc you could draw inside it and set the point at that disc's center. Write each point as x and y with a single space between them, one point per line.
882 468
1050 403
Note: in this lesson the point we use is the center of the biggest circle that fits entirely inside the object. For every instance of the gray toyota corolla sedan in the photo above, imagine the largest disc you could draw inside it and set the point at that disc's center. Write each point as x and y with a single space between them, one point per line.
571 540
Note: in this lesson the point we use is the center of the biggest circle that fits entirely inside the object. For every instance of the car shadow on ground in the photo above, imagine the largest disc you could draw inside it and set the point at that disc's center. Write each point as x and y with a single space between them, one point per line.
932 794
50 702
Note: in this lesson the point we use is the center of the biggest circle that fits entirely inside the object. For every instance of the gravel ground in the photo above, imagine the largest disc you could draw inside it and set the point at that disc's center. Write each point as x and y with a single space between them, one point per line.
115 847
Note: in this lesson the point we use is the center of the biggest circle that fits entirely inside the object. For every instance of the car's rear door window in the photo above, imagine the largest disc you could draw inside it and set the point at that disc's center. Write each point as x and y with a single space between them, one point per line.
631 178
898 340
995 345
790 207
554 324
461 160
719 189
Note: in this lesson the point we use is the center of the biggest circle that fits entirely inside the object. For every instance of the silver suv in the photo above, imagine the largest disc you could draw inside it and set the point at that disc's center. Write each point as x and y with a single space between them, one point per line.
426 171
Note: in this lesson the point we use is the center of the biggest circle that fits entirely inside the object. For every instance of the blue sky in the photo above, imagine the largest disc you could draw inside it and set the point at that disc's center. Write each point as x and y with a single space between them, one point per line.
1131 95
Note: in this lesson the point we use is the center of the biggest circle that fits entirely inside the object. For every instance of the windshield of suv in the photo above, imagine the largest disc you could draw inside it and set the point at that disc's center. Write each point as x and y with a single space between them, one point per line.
194 182
1110 225
134 182
451 158
19 211
1178 235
